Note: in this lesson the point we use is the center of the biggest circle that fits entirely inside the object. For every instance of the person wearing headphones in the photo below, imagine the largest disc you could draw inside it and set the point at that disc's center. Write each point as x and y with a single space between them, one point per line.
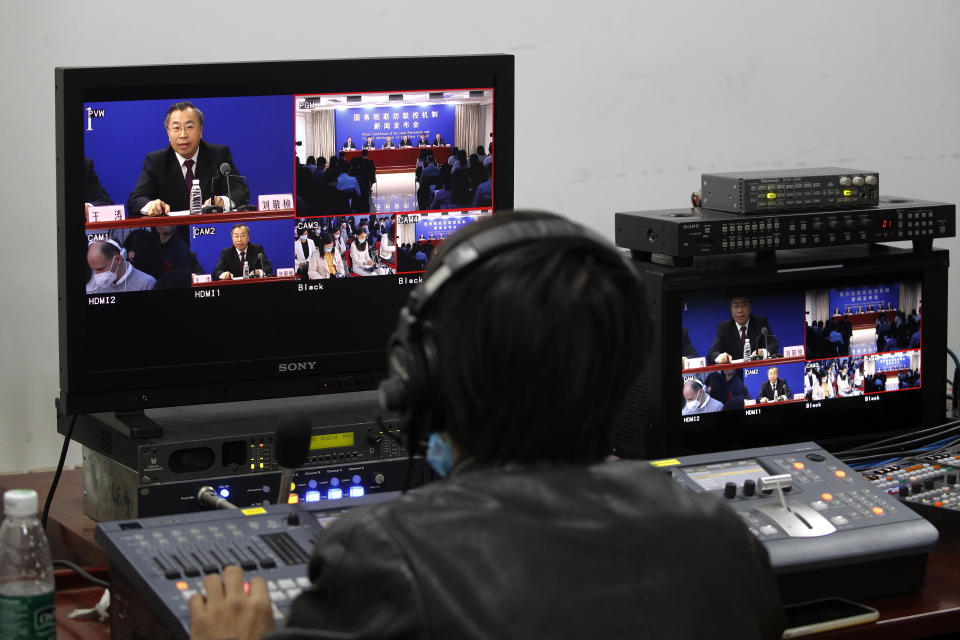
111 272
697 400
532 532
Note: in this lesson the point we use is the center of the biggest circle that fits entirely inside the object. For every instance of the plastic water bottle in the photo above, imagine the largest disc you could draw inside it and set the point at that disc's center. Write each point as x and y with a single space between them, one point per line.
196 199
246 269
27 610
746 349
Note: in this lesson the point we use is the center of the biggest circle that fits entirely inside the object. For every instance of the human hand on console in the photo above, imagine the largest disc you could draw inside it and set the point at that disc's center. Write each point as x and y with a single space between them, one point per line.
229 611
157 208
724 358
764 399
226 275
217 201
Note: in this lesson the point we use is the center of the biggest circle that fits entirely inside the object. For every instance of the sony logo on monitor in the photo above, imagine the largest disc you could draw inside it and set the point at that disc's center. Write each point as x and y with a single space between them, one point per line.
283 367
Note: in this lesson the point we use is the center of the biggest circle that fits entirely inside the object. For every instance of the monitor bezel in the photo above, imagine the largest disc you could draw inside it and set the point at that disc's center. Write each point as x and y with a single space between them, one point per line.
82 391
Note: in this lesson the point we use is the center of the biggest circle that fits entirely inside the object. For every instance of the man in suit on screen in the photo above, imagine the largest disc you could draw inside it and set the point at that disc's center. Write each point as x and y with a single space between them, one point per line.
349 145
732 334
232 259
774 388
167 174
93 192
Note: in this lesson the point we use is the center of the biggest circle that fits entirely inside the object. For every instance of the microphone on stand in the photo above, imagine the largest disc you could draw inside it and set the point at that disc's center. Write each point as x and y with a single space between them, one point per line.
212 208
292 446
763 335
225 170
260 260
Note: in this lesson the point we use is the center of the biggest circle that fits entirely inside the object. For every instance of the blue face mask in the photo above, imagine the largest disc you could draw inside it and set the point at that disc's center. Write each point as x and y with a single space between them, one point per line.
440 454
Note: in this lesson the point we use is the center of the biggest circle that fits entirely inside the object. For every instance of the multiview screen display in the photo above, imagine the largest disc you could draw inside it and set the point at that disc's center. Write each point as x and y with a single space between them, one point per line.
754 353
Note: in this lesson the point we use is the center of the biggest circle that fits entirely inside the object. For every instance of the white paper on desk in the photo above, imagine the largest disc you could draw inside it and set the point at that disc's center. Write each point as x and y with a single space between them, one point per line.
185 212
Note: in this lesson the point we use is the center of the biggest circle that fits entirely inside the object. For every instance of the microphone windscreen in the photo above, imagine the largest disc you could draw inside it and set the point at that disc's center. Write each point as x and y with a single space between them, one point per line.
225 168
293 442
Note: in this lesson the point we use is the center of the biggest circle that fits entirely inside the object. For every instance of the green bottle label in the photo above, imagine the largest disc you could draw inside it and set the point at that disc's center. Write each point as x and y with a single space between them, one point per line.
28 617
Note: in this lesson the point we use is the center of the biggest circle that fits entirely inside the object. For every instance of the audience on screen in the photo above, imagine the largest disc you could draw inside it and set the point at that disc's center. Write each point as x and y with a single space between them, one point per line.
697 400
327 262
728 388
483 194
111 272
835 378
304 248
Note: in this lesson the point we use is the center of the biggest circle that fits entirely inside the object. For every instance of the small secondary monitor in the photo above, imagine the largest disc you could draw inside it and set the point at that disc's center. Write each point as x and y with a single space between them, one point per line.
839 348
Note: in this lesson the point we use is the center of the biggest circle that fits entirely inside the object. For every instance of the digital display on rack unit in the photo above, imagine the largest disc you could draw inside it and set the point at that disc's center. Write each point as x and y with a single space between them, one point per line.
332 440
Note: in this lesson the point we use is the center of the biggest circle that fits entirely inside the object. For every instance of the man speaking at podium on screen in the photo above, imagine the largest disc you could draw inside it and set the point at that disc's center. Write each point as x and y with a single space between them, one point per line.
732 334
243 252
774 388
167 174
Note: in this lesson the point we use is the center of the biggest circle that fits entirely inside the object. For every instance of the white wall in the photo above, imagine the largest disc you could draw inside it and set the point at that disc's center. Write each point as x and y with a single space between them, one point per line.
694 86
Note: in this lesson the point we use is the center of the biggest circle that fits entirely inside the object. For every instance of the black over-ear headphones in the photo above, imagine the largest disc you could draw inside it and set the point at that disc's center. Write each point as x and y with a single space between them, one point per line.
412 353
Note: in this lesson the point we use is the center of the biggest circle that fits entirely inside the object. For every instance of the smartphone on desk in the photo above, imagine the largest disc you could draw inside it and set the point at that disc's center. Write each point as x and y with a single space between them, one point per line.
829 614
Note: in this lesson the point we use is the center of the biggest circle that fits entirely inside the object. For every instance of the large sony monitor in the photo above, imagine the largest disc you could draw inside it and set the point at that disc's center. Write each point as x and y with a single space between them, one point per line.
272 262
839 347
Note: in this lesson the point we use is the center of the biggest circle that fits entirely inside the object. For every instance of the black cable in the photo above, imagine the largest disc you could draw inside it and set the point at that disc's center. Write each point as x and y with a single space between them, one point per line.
82 573
944 447
947 427
956 361
904 454
56 476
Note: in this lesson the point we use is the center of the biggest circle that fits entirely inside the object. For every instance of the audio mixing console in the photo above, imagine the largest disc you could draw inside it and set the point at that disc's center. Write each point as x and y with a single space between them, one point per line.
930 485
158 563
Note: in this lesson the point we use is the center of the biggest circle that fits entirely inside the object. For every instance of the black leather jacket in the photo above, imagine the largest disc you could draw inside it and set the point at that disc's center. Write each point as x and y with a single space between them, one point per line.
615 550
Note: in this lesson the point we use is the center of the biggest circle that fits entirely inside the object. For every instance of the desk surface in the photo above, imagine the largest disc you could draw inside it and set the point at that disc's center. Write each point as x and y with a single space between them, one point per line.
932 611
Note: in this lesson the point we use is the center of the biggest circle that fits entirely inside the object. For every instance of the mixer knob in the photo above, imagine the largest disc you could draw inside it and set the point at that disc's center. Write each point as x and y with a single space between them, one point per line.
870 180
858 181
817 226
845 181
834 225
378 479
749 487
730 490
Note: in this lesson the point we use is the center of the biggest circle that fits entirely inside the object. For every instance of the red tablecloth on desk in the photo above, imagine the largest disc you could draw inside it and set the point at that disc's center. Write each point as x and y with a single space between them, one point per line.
400 159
